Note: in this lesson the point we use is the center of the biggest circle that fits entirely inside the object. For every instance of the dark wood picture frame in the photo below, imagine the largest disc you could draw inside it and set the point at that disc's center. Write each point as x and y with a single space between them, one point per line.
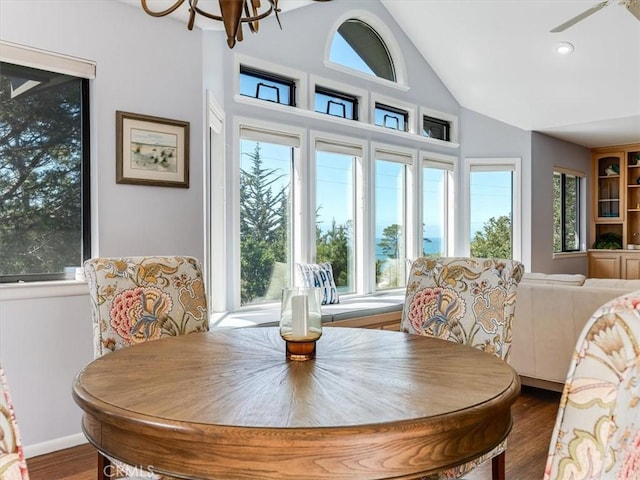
151 150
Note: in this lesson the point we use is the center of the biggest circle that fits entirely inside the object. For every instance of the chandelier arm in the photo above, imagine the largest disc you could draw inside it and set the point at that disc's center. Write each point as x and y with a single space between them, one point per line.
277 11
243 20
192 14
255 4
162 13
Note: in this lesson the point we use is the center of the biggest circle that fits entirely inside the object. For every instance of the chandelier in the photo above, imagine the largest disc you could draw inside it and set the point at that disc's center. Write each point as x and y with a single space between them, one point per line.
233 13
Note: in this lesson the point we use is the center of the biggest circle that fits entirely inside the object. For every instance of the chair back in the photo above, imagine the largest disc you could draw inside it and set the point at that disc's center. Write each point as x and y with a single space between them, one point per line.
597 430
465 300
137 299
12 463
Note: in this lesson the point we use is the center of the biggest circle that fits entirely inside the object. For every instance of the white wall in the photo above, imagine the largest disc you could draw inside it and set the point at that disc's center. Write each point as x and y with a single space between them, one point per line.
45 340
546 153
482 136
144 65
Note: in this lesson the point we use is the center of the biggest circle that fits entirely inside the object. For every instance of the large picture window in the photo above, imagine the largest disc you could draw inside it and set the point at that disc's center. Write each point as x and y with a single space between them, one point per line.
44 174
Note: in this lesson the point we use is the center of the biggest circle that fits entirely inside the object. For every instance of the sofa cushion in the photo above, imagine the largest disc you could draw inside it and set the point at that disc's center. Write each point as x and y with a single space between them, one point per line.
630 285
576 279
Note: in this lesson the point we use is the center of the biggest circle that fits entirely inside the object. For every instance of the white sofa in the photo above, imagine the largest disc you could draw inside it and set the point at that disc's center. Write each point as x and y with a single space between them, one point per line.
551 311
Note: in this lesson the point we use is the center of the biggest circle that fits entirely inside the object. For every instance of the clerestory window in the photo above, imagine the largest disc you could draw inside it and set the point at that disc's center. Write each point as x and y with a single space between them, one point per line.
336 103
436 128
267 86
391 117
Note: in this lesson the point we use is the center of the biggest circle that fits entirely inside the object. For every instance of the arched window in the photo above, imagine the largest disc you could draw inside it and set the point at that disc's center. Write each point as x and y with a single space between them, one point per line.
357 45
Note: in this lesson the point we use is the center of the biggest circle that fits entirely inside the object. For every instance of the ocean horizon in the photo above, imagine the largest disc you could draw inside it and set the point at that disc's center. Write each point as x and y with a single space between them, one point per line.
430 245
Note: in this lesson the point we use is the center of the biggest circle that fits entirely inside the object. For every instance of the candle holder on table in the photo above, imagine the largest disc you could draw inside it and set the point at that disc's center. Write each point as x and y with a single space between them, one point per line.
301 321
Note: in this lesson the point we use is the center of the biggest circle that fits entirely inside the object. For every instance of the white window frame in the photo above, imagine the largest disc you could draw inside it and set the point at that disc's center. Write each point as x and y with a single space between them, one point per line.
395 52
445 163
26 56
285 135
583 210
405 156
496 164
215 208
357 149
360 94
453 126
393 102
299 77
363 134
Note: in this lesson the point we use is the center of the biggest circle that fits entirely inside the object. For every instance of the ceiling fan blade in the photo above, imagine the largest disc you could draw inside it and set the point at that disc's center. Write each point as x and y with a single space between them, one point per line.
582 16
634 9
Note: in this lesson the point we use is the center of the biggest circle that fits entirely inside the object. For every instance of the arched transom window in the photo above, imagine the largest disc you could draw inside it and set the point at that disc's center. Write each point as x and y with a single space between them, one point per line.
357 45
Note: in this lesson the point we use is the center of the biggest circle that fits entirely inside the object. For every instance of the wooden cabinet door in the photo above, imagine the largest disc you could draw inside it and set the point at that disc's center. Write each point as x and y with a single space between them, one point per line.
604 265
631 266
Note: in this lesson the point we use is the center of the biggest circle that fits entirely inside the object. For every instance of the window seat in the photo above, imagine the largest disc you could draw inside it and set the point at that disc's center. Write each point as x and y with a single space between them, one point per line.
371 311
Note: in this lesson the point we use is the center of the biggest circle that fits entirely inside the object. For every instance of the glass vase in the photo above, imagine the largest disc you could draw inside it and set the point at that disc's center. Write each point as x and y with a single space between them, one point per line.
301 321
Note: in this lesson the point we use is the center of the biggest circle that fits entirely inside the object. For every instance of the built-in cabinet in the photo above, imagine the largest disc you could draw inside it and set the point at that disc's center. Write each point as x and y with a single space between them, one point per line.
616 211
614 264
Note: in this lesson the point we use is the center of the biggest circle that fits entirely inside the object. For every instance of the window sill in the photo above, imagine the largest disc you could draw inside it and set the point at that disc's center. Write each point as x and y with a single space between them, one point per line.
33 290
350 307
342 121
560 255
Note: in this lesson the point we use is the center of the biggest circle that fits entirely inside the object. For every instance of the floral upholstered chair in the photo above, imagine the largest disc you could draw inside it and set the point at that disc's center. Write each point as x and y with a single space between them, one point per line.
139 299
12 463
597 430
469 301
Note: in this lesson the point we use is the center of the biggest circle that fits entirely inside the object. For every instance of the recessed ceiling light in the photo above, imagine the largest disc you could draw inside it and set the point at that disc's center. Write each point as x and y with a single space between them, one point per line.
564 48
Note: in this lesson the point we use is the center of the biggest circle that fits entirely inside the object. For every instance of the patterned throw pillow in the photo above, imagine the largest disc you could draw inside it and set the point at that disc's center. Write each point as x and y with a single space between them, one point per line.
320 275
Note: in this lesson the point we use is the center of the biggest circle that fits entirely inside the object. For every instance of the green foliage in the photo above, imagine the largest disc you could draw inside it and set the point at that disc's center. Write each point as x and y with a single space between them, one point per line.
263 226
389 272
494 241
40 186
608 240
565 212
333 246
391 240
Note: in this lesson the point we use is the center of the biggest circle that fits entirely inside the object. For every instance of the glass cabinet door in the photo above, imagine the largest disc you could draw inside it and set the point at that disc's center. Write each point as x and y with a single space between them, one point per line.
633 199
609 187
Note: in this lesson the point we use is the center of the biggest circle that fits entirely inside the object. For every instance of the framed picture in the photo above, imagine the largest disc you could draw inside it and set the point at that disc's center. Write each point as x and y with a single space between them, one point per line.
151 150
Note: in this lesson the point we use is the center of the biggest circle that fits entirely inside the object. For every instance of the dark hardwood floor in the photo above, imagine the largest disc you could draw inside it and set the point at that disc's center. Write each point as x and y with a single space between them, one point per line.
534 416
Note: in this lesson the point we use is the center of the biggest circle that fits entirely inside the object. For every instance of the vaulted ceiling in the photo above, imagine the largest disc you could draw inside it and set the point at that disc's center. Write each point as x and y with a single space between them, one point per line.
498 58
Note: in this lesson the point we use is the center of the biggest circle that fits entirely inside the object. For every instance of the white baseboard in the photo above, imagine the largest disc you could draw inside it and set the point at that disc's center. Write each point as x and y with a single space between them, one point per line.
54 445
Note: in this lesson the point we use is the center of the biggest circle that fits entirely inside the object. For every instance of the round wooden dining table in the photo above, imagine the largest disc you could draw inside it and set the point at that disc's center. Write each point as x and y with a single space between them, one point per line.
228 405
